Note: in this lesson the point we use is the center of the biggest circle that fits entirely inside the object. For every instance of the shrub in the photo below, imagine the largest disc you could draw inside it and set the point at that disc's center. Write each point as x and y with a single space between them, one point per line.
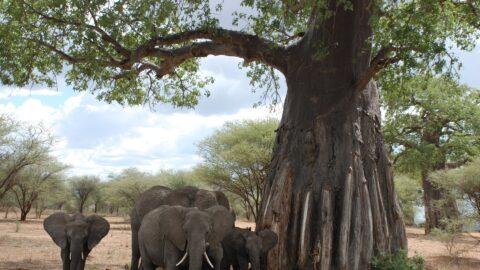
397 261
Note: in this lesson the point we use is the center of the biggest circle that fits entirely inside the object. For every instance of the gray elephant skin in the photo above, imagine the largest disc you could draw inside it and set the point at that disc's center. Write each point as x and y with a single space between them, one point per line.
174 236
242 246
76 235
159 195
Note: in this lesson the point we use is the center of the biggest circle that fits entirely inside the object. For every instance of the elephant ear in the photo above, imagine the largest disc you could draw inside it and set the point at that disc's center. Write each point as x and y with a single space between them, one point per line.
205 199
97 229
238 240
55 226
223 222
269 239
222 199
172 220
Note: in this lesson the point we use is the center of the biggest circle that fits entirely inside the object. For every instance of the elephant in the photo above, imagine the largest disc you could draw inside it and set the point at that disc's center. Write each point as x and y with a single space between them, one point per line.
159 195
170 234
76 235
242 246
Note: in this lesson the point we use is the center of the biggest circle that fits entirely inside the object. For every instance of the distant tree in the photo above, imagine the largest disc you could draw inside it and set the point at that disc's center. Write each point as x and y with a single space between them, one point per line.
237 157
433 124
409 194
99 197
57 197
21 145
83 188
462 184
178 179
123 189
7 203
33 181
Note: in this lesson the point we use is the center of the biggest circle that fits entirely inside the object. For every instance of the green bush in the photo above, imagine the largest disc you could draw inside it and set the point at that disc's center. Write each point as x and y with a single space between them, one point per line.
409 194
397 261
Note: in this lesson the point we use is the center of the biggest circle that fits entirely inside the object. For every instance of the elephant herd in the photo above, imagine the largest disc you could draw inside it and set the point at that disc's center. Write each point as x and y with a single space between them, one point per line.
183 228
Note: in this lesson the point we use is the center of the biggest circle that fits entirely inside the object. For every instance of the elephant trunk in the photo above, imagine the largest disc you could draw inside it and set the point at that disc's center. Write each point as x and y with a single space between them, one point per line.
76 255
196 248
254 257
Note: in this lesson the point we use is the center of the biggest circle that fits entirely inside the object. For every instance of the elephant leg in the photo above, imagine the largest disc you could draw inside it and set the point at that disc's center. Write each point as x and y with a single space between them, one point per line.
135 250
65 255
147 265
242 263
171 257
85 255
224 265
217 255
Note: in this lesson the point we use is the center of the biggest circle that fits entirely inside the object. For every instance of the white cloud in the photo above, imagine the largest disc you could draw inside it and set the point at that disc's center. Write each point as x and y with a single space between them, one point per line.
99 138
32 111
8 92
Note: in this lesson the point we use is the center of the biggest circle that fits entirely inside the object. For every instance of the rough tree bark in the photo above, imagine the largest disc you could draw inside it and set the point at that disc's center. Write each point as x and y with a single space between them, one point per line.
330 193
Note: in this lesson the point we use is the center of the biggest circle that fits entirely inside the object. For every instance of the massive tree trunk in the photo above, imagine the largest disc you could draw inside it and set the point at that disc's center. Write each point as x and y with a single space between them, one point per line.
330 193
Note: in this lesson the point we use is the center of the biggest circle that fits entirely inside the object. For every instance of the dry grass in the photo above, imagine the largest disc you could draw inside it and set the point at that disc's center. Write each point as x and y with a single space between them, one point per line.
32 248
436 255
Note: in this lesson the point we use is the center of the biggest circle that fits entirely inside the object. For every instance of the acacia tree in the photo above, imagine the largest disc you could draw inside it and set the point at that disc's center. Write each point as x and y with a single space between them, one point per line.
21 145
83 188
236 159
123 189
329 194
433 124
33 182
462 184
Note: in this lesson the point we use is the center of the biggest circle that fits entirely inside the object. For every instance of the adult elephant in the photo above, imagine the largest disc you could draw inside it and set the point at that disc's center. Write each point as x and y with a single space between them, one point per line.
242 246
169 235
159 195
76 235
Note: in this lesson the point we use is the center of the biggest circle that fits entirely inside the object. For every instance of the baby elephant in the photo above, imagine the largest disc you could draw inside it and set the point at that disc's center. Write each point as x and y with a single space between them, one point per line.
242 246
76 235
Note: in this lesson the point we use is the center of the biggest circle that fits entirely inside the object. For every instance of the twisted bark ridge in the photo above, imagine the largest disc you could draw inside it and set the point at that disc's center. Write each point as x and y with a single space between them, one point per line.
330 195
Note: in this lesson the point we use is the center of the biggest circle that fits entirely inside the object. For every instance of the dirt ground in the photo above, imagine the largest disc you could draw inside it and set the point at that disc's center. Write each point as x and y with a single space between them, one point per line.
32 248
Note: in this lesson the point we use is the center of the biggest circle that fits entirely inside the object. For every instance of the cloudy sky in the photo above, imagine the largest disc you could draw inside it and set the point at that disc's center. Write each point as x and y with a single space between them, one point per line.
98 138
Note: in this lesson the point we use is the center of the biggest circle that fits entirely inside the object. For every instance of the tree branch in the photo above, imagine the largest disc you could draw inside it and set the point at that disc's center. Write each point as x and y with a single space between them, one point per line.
220 42
380 61
105 36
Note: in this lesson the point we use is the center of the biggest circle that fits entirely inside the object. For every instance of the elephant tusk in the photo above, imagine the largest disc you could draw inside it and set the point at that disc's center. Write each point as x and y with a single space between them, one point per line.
70 256
82 256
183 259
208 259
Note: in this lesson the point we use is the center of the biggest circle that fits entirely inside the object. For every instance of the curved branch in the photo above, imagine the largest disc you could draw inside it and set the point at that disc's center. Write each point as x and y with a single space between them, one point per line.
219 42
380 61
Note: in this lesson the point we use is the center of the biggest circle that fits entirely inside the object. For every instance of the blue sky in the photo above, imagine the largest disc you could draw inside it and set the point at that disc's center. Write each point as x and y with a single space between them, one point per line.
98 138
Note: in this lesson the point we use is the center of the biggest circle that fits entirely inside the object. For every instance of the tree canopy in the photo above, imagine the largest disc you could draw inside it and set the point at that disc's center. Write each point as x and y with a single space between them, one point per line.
432 121
35 182
82 189
21 145
119 50
236 159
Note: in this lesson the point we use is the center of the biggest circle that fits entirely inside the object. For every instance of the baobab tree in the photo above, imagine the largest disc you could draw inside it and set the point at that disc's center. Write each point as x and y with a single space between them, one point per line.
329 194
